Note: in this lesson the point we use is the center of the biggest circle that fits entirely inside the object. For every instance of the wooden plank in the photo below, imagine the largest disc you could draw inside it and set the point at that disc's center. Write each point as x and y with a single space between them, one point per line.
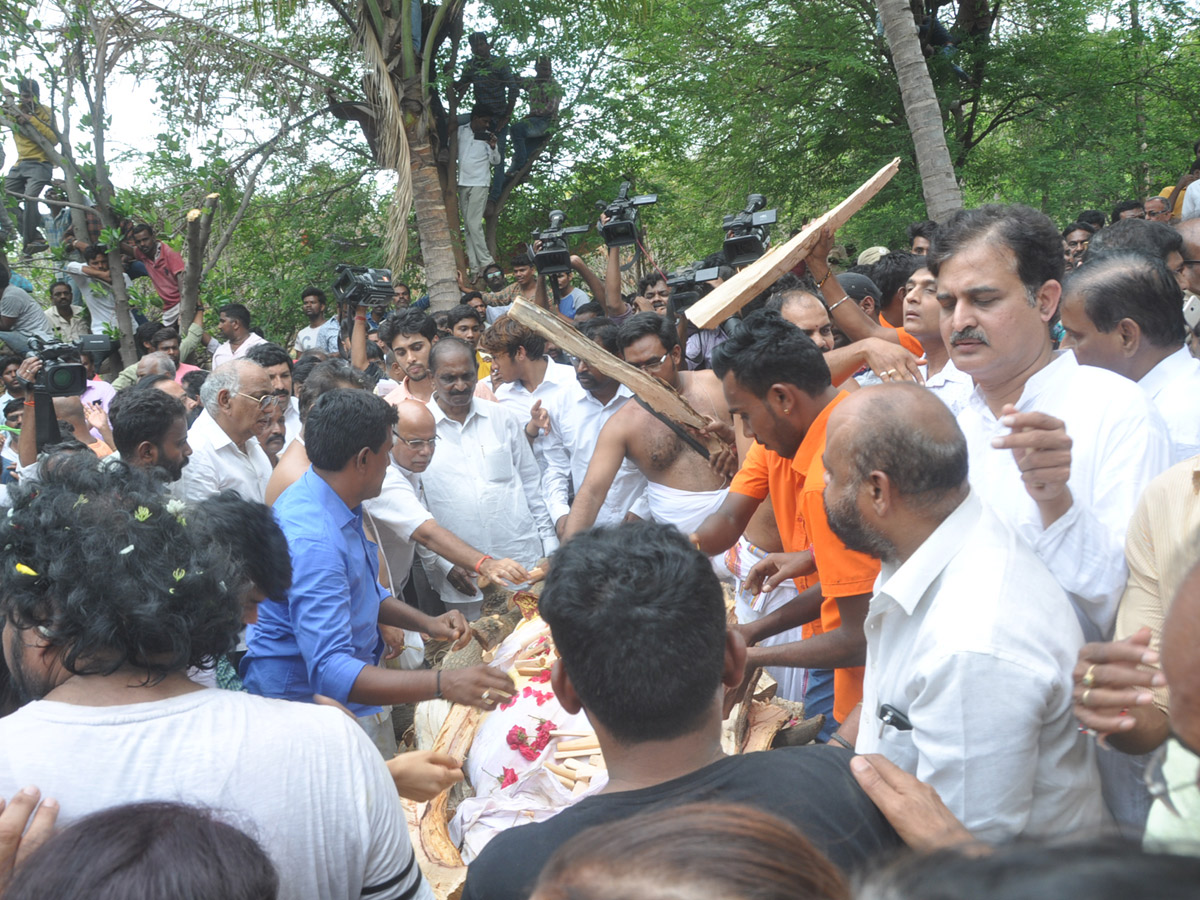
747 284
661 397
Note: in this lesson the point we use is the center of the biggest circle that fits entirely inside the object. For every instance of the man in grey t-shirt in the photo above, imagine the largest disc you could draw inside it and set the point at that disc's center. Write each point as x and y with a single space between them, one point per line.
20 317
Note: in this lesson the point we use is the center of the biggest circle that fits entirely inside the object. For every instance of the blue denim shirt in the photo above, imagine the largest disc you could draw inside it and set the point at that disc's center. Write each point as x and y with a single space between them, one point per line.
318 640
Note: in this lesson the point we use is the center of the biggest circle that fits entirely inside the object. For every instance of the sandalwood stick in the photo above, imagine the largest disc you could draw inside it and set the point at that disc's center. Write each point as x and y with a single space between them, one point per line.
747 284
587 743
563 754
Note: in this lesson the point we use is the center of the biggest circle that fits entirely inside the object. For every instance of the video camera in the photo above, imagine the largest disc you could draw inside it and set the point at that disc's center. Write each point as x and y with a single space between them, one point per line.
621 228
554 255
746 231
62 375
362 286
689 284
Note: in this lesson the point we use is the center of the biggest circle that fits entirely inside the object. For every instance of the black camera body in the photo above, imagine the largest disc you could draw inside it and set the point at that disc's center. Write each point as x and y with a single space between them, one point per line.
362 286
555 256
621 228
746 231
484 135
61 374
689 284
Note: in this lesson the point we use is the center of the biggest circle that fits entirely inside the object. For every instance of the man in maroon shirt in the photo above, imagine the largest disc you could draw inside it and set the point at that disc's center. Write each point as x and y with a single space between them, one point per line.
165 267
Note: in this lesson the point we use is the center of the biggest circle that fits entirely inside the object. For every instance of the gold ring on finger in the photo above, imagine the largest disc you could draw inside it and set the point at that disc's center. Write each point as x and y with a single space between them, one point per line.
1084 698
487 696
1089 677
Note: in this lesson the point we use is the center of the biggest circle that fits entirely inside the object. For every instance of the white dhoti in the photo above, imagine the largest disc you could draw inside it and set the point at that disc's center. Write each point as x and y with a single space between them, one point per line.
686 510
740 559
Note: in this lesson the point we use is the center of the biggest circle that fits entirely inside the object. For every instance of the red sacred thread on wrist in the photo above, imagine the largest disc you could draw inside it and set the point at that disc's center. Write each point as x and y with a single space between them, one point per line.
481 562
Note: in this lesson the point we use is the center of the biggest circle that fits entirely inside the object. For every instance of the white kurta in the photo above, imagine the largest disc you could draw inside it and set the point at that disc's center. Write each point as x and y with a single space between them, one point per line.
1174 386
216 465
1119 444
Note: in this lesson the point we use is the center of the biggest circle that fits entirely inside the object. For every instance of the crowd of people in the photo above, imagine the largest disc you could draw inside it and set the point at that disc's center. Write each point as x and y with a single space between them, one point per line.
955 503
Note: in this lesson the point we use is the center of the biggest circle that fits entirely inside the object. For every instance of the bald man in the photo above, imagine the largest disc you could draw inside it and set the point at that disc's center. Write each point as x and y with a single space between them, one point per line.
970 639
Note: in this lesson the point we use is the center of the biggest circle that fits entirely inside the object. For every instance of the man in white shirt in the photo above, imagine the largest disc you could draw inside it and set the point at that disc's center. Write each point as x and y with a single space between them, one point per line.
477 154
922 319
574 418
527 378
1124 312
225 453
401 520
66 320
1061 452
970 639
114 719
94 280
312 301
484 484
234 325
278 365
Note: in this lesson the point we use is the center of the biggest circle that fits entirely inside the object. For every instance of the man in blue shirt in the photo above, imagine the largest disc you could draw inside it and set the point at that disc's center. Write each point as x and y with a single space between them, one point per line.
323 639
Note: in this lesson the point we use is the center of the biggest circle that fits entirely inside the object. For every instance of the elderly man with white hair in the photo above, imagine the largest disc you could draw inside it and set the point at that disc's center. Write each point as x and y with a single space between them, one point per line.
225 453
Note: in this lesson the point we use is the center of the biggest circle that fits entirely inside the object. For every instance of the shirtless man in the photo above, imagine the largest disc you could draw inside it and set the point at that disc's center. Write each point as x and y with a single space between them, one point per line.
683 489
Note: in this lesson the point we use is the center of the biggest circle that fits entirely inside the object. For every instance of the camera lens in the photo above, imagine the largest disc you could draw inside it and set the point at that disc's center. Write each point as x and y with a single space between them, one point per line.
61 378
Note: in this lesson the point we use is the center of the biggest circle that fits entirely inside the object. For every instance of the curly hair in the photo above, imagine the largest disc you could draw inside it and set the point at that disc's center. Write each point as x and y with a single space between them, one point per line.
157 595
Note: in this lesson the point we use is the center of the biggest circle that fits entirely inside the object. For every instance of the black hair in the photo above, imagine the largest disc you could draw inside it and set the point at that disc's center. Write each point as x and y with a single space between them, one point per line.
644 324
5 277
1029 234
457 313
10 359
409 321
481 111
193 381
1124 206
140 227
164 334
328 375
13 406
28 86
769 350
603 331
268 354
91 251
252 537
341 423
1092 870
149 381
590 307
147 850
139 415
923 229
1093 217
1077 226
312 291
1116 286
155 596
520 259
662 605
55 284
507 335
892 271
236 311
1146 237
469 296
143 334
648 280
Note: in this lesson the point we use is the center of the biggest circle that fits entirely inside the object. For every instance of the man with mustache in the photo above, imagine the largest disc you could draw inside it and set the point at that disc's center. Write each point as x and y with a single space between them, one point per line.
483 484
1060 451
968 633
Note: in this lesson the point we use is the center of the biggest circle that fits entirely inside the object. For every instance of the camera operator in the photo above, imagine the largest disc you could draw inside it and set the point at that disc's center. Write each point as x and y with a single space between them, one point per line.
477 156
20 316
570 297
524 284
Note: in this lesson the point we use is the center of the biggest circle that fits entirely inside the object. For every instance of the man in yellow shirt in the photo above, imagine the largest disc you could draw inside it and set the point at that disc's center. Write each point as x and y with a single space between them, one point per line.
33 170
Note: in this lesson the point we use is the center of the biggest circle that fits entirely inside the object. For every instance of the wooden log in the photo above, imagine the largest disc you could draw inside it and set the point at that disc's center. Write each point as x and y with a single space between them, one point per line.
660 396
747 284
765 721
585 743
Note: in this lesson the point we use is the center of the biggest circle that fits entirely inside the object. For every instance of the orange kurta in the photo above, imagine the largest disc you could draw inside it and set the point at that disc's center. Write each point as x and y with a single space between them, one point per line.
796 487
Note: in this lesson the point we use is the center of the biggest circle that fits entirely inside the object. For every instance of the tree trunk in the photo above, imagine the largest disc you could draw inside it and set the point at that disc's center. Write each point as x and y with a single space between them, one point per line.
437 247
921 109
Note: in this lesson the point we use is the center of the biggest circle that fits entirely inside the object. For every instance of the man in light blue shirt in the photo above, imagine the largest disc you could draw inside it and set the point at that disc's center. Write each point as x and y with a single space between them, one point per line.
323 638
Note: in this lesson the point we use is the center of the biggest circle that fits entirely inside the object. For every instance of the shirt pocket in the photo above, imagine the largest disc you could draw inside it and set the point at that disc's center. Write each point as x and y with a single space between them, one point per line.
497 464
898 747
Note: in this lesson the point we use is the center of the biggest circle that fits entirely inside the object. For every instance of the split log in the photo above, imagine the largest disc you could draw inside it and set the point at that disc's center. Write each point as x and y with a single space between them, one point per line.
436 854
660 396
765 721
747 284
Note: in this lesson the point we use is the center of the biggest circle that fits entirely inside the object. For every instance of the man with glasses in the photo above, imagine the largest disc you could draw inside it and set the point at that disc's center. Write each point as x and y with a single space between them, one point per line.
682 488
1157 210
401 520
1189 230
225 453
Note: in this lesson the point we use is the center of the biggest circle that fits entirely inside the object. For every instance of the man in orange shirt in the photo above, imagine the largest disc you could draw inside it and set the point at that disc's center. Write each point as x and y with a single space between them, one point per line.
778 385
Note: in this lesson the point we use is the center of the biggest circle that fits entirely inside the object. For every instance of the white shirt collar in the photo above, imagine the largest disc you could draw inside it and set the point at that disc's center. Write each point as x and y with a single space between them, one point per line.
907 583
1178 365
